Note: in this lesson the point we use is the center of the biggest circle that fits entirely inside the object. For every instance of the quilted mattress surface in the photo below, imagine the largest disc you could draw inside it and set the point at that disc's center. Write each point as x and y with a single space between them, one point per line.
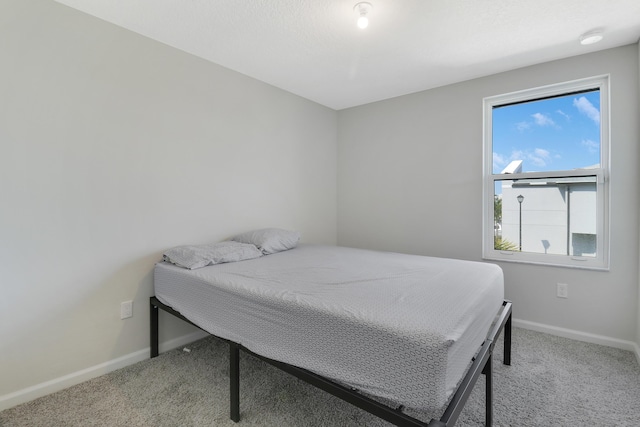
402 328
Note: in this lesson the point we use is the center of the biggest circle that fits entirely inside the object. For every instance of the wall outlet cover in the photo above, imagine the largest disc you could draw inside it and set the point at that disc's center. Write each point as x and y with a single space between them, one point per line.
562 290
126 309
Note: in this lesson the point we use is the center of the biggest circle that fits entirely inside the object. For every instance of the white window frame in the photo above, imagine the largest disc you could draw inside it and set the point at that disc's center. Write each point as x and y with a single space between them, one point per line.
601 260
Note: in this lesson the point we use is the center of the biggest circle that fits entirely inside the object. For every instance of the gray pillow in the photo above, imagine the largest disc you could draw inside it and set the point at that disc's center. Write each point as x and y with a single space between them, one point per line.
270 240
197 256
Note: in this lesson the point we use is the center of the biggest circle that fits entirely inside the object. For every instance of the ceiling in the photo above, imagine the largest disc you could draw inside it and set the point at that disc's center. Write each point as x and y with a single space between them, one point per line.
314 49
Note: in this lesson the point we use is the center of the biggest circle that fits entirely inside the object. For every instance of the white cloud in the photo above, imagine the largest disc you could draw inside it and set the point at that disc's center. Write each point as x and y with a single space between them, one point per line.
539 157
542 120
540 152
537 161
522 126
517 155
563 114
499 159
592 146
585 107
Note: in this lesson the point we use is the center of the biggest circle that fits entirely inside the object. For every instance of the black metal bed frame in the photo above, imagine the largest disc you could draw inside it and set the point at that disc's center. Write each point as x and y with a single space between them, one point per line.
481 364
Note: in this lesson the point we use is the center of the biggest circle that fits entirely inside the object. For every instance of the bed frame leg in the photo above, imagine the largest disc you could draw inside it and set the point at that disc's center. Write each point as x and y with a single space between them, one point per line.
234 385
153 314
488 376
507 341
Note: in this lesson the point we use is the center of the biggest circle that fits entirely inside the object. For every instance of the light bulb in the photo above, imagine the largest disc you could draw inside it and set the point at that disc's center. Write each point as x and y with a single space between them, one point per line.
362 10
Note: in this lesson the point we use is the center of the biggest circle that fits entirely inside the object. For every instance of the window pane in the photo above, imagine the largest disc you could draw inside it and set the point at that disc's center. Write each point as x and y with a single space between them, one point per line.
547 216
546 158
552 134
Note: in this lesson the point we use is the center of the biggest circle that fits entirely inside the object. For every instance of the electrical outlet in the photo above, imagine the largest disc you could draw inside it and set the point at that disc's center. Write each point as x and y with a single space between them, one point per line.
562 290
126 309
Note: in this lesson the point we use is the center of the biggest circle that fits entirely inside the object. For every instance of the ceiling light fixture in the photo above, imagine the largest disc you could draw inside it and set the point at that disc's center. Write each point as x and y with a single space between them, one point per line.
591 37
363 9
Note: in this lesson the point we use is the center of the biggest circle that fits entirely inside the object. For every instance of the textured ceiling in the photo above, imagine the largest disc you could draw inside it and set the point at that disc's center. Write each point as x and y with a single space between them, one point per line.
314 49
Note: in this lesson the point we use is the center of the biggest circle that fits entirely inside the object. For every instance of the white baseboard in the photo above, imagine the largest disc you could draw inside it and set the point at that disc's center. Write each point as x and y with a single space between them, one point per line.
579 336
30 393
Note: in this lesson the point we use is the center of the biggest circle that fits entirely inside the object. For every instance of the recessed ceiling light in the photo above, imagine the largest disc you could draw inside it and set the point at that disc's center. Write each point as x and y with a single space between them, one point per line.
591 37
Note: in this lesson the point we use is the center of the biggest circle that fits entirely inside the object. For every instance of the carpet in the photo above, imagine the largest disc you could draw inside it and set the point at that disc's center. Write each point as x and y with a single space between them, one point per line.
552 381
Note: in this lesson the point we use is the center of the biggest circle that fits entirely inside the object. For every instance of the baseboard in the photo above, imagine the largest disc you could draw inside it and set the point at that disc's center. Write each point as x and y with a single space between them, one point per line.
579 336
30 393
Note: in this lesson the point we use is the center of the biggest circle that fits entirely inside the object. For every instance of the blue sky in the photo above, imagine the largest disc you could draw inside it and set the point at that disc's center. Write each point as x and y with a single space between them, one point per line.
554 134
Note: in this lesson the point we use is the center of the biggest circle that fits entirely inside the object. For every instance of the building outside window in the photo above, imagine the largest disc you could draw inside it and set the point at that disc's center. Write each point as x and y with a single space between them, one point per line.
546 175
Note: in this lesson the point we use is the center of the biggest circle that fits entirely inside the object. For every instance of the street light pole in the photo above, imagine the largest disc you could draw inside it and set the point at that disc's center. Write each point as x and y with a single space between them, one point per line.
520 199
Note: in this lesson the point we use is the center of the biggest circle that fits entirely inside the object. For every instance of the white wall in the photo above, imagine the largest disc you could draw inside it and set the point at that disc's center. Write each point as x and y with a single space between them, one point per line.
410 180
113 148
638 160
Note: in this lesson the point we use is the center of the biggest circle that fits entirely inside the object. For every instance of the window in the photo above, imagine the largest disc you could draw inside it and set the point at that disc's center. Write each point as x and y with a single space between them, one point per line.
546 169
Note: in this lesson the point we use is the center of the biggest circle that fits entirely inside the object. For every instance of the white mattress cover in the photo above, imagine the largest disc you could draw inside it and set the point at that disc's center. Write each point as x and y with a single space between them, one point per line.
399 327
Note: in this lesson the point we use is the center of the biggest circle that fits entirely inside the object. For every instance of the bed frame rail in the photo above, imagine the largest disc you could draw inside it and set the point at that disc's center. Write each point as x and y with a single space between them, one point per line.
481 364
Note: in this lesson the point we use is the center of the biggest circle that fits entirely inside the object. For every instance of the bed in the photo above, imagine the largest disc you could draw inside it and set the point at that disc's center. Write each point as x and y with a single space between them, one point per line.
391 333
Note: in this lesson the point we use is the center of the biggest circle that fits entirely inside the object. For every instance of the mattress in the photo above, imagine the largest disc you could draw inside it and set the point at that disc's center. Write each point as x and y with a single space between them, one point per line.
401 328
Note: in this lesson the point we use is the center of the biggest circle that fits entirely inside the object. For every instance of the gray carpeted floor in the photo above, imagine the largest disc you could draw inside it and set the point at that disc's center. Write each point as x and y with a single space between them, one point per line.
552 382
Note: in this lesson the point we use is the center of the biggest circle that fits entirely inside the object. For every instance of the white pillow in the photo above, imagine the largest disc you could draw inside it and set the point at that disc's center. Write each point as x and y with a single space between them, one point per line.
270 240
197 256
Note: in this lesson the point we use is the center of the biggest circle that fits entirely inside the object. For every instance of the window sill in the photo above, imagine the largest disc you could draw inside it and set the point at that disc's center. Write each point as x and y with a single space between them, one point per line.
568 262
